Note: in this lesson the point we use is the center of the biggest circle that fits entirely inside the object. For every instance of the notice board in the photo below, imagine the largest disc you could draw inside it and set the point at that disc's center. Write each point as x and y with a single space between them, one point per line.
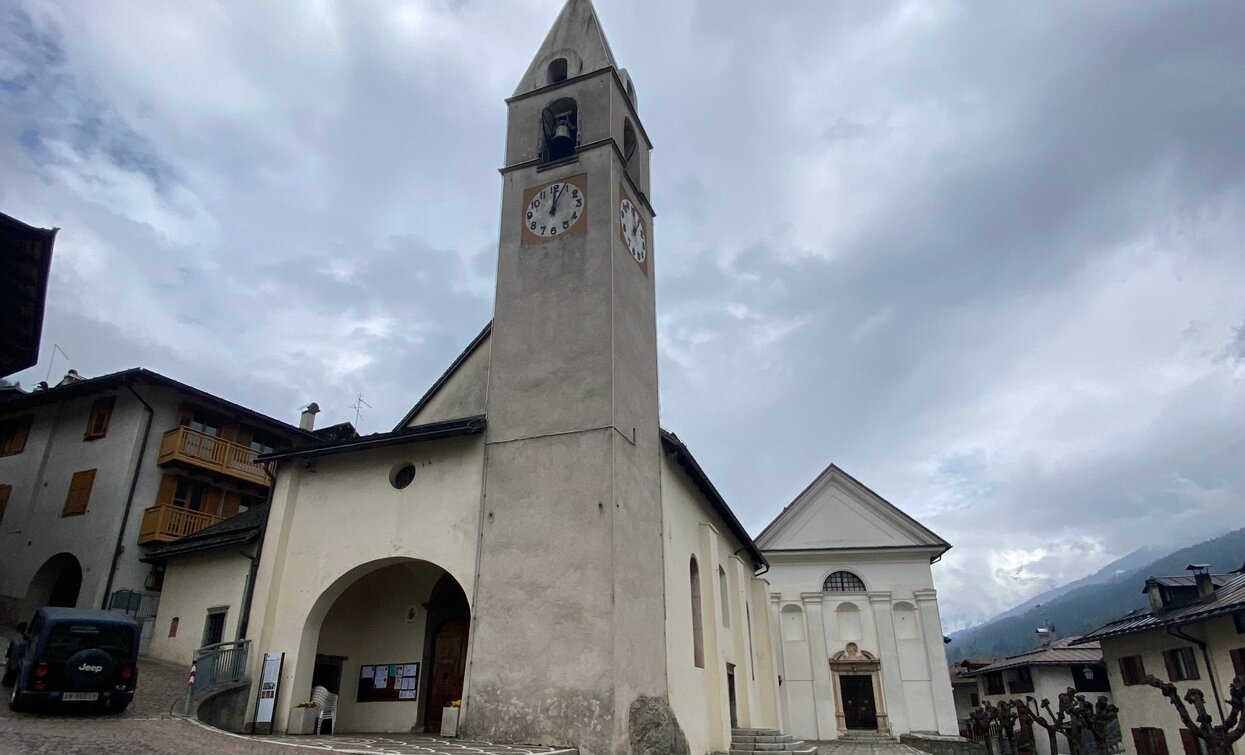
388 682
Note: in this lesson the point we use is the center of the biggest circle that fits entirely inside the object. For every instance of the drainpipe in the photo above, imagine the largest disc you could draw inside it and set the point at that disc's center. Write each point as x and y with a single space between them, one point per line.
129 500
1210 669
248 593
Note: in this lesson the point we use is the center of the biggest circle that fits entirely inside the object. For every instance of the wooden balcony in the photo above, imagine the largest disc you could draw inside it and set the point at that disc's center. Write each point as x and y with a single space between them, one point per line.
164 524
196 449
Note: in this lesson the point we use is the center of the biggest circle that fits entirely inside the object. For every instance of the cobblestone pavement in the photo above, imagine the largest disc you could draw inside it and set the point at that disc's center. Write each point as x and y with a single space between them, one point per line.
411 744
839 747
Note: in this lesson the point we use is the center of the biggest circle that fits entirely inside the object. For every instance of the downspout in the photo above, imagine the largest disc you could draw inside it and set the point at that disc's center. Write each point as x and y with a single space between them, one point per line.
1210 669
248 593
129 500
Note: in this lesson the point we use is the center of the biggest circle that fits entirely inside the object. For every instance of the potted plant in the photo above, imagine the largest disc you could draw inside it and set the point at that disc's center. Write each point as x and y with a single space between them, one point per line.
302 718
449 718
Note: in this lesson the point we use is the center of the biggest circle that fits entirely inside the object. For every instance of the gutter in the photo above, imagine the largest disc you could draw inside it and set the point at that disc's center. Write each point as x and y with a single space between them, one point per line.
248 592
129 499
1210 668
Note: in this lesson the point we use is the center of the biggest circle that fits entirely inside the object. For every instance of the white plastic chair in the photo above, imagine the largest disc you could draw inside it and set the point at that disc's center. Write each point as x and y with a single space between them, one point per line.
326 707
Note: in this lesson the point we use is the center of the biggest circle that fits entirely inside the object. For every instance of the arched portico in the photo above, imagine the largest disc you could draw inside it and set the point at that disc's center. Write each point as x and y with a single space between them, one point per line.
56 583
377 636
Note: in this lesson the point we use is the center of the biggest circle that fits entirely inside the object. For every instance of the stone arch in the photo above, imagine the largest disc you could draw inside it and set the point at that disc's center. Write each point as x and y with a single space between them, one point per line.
395 612
58 582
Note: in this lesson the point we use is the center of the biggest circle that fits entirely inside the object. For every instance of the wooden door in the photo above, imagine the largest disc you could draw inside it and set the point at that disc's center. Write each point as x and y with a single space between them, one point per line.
449 661
859 711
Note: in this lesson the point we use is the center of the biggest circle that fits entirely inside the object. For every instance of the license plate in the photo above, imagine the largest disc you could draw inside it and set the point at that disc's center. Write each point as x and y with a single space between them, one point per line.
79 696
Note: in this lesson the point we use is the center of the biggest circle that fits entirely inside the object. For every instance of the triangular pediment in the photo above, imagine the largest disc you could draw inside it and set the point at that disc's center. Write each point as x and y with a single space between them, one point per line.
461 391
837 511
576 36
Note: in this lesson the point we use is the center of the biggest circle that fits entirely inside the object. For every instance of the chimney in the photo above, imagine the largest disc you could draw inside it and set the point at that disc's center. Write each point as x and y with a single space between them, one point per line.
308 419
70 377
1201 575
1156 595
1043 637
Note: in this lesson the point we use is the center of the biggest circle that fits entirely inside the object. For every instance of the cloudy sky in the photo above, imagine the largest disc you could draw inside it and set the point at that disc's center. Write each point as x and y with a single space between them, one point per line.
987 257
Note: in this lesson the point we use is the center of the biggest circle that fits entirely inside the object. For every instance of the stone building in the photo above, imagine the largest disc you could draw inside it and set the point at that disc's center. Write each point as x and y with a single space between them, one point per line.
860 643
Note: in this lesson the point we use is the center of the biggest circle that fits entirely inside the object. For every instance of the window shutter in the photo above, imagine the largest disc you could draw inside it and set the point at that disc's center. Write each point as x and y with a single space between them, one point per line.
211 501
168 487
101 413
232 501
1141 742
79 493
1189 740
7 490
1190 663
1173 673
1238 662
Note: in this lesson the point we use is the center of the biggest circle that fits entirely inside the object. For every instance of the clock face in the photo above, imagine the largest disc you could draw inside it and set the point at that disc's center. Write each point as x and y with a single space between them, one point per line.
555 209
633 230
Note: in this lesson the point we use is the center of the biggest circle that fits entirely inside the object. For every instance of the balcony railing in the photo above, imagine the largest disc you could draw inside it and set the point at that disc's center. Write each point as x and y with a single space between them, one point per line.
164 524
181 444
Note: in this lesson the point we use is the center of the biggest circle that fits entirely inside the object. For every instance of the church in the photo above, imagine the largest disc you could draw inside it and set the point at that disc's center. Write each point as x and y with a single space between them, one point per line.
528 535
529 541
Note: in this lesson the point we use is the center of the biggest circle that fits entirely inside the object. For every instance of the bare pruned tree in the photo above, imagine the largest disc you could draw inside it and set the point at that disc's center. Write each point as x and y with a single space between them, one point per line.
1218 737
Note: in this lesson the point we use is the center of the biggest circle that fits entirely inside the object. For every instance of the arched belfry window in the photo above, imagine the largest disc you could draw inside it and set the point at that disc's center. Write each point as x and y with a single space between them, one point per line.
698 631
557 70
843 581
725 593
629 141
559 124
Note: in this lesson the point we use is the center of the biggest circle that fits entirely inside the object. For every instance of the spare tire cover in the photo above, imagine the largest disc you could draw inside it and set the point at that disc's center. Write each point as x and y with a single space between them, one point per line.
89 669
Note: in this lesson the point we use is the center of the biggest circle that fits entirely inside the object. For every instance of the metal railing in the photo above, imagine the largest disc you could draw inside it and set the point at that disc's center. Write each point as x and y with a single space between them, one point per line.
221 663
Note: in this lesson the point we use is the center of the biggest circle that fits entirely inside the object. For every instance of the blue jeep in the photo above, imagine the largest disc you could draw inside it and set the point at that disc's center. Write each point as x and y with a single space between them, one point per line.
69 655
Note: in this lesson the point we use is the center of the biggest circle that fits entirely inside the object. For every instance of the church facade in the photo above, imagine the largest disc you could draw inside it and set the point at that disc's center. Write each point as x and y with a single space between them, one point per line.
528 539
858 635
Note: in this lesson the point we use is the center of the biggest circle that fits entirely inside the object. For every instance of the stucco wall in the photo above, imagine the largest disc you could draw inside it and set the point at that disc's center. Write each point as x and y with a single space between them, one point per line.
895 619
193 585
1142 705
464 394
699 696
336 519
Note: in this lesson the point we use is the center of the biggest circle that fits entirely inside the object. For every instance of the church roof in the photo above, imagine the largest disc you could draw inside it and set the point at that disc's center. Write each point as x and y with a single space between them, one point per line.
431 431
840 502
575 35
445 376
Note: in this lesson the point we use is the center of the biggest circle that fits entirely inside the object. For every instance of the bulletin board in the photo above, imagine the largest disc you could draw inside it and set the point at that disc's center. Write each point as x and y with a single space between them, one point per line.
388 682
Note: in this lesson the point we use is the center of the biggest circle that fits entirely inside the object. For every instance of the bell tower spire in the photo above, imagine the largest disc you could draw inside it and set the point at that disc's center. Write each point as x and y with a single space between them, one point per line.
575 37
569 602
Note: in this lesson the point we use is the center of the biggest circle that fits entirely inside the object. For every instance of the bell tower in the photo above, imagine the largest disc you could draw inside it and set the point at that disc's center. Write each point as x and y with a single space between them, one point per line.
569 601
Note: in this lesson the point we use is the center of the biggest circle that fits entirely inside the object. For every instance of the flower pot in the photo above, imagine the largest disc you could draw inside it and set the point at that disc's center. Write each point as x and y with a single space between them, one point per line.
449 722
302 721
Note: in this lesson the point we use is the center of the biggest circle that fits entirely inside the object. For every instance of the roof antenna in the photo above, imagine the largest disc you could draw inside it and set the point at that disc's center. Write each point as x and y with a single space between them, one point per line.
55 348
358 406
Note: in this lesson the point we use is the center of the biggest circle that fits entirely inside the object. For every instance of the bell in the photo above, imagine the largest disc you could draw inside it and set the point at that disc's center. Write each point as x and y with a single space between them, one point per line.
562 139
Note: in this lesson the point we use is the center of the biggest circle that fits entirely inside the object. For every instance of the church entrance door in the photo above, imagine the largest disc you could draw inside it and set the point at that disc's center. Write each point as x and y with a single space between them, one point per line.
859 709
449 661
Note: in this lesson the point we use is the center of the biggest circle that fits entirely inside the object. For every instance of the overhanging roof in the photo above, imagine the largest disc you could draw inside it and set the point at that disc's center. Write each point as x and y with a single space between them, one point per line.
420 433
1058 654
25 263
231 533
1228 599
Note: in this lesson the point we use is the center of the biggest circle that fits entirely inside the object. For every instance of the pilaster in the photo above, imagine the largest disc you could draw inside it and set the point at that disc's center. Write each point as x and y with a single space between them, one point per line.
823 687
936 654
888 653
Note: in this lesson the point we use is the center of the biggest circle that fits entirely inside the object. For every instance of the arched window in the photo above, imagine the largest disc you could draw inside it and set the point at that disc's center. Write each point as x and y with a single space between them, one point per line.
629 141
843 581
631 92
726 597
698 635
557 70
559 129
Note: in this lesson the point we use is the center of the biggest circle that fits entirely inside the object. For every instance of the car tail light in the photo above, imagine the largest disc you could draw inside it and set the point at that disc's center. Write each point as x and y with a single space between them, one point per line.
41 670
39 686
126 672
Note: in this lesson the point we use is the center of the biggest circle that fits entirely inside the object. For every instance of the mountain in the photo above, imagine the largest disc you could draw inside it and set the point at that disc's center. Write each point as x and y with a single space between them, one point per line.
1090 602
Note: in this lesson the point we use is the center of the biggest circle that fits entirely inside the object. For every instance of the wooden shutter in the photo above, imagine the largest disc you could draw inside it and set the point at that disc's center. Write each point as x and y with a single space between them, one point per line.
168 488
13 435
1173 673
1189 740
79 493
5 492
232 501
1149 741
211 501
1238 661
97 423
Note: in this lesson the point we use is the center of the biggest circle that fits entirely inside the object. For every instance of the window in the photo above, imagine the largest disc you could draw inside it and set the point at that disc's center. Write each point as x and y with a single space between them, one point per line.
214 627
97 423
1132 670
173 626
974 699
79 493
557 70
1181 665
1149 741
698 640
261 444
560 127
726 597
1191 743
843 581
5 492
189 495
994 683
13 434
1239 619
1237 656
201 421
1090 678
629 142
1023 681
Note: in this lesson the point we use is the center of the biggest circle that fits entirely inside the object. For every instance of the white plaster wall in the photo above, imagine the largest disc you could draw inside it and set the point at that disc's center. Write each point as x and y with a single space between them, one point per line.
915 689
699 695
338 519
192 585
464 394
1142 705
